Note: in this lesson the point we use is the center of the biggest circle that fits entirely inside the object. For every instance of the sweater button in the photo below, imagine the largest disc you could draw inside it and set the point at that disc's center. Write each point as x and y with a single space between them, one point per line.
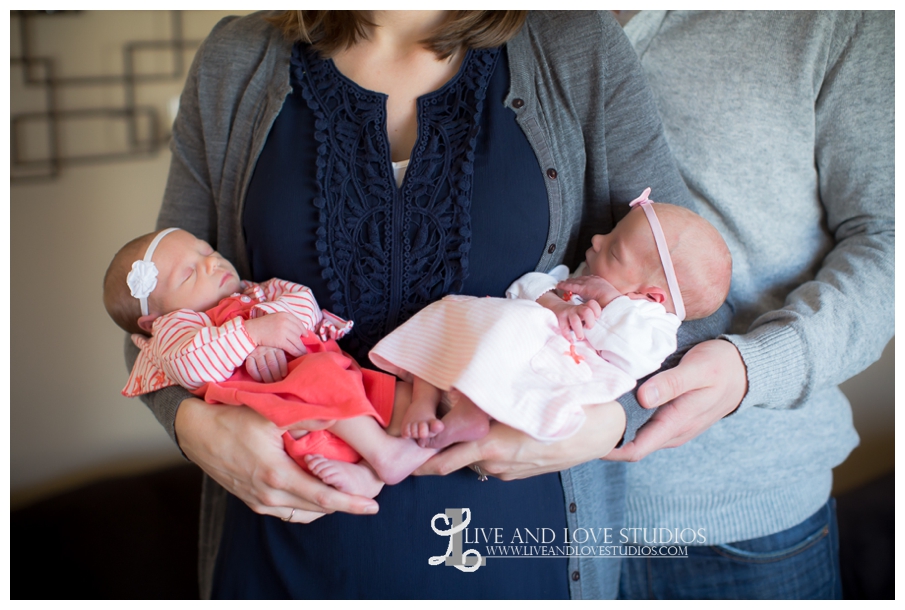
518 102
551 249
245 299
576 575
551 174
572 507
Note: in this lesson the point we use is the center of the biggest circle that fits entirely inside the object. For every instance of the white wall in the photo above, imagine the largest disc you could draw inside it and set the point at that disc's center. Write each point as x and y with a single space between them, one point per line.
66 364
68 423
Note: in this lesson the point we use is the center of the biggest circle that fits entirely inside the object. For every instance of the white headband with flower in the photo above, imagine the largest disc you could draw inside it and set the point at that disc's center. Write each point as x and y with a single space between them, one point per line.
142 280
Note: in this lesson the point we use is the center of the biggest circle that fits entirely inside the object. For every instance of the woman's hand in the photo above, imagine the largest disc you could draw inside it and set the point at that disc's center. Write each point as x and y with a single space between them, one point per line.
509 454
244 453
708 384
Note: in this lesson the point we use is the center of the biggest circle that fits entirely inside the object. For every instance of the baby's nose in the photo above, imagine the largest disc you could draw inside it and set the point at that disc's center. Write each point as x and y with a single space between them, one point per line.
595 242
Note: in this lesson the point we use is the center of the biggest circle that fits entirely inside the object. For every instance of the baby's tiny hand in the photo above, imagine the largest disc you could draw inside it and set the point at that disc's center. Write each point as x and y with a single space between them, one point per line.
590 287
266 364
280 330
574 318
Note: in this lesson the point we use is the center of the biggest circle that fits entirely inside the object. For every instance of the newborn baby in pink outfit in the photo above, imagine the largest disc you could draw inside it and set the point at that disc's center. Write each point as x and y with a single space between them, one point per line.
559 342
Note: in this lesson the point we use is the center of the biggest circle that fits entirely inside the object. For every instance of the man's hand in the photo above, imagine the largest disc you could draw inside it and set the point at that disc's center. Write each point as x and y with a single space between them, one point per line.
280 330
709 383
509 454
574 318
590 287
266 364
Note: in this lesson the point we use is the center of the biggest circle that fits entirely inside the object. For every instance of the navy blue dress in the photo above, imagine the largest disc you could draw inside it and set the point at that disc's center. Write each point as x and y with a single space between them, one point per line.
471 216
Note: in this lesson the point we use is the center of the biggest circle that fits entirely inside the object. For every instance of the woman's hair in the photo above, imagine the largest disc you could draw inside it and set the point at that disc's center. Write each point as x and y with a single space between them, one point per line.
332 31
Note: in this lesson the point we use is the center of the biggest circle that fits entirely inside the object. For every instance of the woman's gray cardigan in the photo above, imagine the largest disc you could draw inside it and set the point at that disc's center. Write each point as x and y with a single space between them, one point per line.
578 94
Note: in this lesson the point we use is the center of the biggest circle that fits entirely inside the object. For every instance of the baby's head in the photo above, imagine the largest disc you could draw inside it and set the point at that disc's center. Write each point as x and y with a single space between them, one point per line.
162 272
628 258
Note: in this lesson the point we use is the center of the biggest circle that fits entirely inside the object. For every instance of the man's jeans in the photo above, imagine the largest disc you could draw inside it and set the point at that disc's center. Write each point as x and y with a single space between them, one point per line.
801 562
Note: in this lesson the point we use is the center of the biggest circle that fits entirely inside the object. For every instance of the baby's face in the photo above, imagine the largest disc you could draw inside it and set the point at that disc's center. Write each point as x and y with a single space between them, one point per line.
191 275
624 256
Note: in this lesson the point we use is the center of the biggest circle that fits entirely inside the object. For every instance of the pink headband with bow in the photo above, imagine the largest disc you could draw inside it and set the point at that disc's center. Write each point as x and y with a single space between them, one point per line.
663 249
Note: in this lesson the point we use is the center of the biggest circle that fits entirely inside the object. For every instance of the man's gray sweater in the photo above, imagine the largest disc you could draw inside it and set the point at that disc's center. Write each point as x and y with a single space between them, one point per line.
782 125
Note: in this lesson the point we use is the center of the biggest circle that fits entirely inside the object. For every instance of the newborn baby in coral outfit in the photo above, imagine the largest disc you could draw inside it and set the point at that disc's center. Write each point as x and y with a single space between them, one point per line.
200 327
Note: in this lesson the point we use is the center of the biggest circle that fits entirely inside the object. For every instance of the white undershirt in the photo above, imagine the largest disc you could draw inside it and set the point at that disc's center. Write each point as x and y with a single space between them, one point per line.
399 168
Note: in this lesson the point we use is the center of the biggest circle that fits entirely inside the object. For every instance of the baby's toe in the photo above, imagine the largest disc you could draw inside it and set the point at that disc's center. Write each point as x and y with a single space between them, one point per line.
436 427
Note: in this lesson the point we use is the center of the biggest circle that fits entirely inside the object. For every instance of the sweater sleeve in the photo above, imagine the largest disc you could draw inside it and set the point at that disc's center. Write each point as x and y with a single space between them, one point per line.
836 324
188 203
189 200
636 150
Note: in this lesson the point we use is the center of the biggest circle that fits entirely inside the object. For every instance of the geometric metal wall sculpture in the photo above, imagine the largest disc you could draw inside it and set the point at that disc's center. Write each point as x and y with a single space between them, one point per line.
144 126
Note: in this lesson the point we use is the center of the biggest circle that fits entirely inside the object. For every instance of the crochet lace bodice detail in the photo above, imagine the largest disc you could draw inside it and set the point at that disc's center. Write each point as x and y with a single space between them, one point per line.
387 252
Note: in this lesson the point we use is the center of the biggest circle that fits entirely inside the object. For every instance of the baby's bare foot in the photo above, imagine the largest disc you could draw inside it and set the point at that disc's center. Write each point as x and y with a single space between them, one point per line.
466 422
420 419
398 458
422 429
357 479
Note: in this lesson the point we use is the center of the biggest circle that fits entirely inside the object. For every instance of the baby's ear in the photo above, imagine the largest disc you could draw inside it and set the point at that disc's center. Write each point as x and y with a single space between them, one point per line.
654 294
146 322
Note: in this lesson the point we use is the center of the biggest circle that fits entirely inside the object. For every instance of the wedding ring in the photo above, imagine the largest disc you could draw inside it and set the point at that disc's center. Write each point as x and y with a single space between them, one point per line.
482 476
289 518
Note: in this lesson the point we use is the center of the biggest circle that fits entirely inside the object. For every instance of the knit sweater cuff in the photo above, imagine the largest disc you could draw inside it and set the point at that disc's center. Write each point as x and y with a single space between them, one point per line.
776 364
635 416
165 404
